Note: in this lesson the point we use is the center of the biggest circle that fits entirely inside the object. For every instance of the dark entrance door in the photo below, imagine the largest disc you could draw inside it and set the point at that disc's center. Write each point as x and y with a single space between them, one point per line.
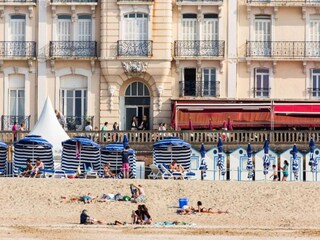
190 82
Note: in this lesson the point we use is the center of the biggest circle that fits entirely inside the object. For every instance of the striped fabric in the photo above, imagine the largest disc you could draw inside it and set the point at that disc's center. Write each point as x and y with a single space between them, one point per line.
112 153
89 153
169 149
3 156
32 147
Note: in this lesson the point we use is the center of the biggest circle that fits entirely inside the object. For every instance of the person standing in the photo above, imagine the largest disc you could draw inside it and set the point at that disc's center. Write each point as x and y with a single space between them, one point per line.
14 130
125 161
285 170
115 127
21 129
88 128
104 129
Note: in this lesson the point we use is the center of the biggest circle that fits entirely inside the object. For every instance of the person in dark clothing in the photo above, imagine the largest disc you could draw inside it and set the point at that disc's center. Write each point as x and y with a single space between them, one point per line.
141 216
86 219
125 161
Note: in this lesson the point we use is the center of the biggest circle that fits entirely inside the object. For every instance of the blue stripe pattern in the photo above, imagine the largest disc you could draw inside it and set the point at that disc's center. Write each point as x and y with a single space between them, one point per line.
3 156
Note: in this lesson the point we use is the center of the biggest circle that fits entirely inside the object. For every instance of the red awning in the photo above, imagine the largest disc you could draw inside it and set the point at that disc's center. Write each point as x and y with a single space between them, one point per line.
297 109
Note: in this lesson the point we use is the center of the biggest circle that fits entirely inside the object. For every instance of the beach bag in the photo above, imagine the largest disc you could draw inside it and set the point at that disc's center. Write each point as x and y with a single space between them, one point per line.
117 197
126 198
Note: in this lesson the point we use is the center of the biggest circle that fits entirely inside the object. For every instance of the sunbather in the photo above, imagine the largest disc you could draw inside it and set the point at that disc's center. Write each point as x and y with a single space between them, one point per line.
209 210
28 170
86 219
175 167
141 215
138 194
87 198
36 170
107 173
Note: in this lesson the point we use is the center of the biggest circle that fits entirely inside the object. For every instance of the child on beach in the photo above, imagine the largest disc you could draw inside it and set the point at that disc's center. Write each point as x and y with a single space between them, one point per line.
285 170
275 173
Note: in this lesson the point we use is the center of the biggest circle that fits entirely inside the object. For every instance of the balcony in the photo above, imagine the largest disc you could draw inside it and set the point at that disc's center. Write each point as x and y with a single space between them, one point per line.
314 92
199 89
137 48
135 2
199 2
295 50
18 2
7 121
261 92
198 48
73 2
17 49
282 2
73 49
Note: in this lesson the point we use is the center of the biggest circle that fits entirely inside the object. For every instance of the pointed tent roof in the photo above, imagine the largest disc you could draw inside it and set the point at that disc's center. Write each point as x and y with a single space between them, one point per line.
49 128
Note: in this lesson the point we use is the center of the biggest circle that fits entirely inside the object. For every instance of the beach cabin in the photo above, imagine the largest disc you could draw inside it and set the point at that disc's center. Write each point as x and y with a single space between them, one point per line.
80 151
315 175
169 149
3 157
287 155
212 158
112 153
258 157
238 165
32 147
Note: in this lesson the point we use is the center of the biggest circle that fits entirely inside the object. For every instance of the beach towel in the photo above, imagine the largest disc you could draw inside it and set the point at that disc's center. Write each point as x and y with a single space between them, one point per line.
172 224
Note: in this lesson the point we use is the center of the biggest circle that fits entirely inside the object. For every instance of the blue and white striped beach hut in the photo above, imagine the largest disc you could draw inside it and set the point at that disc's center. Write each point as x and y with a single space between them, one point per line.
87 151
112 153
169 149
3 157
32 147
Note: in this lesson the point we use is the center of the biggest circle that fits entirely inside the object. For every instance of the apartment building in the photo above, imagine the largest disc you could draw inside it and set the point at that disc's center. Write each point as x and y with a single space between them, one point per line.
173 61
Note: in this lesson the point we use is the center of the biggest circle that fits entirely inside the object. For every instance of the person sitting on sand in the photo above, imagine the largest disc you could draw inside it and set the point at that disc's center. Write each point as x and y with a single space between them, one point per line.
138 194
175 167
86 219
37 168
107 173
141 215
28 170
275 173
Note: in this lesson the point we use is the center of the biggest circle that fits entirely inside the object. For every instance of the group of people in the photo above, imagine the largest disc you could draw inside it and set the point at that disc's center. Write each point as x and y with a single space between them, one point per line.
285 171
32 170
15 130
143 125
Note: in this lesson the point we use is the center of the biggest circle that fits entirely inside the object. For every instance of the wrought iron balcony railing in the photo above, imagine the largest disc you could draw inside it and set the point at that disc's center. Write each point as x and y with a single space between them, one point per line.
136 1
18 1
75 123
199 88
18 49
200 1
284 2
79 49
283 49
135 48
314 92
74 1
8 121
197 48
262 92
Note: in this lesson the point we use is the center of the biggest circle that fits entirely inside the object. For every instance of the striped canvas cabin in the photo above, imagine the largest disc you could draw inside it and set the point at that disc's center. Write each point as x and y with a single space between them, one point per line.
169 149
3 157
32 147
112 153
89 153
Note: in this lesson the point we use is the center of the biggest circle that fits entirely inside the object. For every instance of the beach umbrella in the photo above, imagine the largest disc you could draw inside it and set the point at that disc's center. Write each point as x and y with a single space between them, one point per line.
203 165
313 163
190 124
266 157
210 124
229 125
125 140
220 162
249 162
295 164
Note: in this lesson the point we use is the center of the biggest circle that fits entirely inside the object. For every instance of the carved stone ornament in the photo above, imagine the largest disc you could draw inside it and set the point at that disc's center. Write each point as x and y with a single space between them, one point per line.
134 68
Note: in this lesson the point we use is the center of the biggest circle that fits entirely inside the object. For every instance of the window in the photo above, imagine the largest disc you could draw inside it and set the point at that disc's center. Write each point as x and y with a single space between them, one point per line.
136 26
315 76
262 85
189 27
16 96
84 28
64 28
262 35
209 82
190 82
73 95
314 36
17 28
210 28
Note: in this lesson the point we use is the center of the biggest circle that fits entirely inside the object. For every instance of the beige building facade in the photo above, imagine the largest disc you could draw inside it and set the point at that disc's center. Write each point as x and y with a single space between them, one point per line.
179 62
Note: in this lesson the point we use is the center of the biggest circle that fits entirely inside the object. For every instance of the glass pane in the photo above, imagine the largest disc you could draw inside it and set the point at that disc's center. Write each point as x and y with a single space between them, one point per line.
128 91
78 106
69 94
146 91
85 103
140 89
134 89
78 93
69 106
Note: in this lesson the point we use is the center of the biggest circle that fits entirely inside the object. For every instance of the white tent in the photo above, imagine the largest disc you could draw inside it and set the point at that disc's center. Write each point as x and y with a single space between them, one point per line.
49 128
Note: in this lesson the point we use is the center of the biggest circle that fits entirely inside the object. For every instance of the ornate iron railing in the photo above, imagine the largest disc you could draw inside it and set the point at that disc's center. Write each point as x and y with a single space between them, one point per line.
314 92
18 49
199 88
8 121
285 1
75 123
200 1
199 48
148 1
18 1
262 92
135 48
283 49
74 1
84 49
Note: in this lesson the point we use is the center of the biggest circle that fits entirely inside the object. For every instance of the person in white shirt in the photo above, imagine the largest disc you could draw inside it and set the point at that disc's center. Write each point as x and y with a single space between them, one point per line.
88 128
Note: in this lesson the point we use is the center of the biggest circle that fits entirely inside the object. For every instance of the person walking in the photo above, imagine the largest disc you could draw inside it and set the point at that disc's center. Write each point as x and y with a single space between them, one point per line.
14 130
285 170
125 161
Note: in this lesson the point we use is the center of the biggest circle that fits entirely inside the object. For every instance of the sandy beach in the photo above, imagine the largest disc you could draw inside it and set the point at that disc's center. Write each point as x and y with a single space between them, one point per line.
36 209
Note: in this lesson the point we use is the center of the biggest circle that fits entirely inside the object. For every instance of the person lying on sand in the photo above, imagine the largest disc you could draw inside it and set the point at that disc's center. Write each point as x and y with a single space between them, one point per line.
86 219
141 215
138 194
87 198
209 210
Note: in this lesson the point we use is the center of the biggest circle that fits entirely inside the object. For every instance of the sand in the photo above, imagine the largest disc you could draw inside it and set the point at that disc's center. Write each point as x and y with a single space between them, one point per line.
36 209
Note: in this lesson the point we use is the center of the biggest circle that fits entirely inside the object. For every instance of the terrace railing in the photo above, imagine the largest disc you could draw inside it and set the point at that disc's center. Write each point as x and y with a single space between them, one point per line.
78 49
8 120
199 88
127 48
198 48
13 49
